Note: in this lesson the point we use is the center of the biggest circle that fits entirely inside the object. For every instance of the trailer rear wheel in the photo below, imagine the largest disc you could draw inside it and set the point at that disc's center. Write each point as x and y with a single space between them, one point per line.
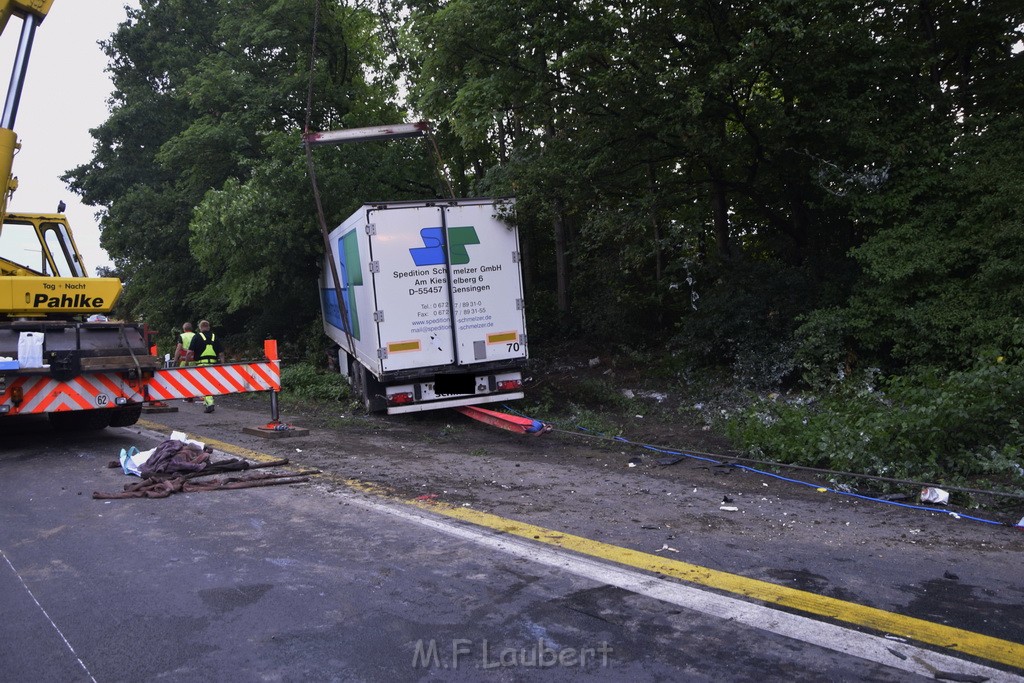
366 387
347 367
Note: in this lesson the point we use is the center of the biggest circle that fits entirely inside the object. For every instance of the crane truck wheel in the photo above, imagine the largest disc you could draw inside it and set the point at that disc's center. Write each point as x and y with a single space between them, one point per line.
125 416
80 420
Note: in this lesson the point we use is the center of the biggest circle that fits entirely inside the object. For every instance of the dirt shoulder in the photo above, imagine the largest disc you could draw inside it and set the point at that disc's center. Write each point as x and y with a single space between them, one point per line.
695 510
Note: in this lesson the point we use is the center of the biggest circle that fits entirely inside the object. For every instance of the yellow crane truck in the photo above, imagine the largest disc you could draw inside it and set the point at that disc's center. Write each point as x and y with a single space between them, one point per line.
59 354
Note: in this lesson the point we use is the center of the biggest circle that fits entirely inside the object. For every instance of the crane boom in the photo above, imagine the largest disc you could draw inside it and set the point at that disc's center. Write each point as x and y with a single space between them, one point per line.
39 260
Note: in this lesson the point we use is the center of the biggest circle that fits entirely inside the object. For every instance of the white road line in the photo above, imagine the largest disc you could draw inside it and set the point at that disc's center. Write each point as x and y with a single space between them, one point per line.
45 614
893 653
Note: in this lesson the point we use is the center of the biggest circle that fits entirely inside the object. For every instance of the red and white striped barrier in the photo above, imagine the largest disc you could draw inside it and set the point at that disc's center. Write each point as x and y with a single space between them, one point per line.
32 394
214 380
29 394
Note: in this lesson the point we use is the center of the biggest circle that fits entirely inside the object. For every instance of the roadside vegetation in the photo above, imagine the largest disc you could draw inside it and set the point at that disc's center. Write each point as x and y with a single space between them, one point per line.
926 428
804 218
959 428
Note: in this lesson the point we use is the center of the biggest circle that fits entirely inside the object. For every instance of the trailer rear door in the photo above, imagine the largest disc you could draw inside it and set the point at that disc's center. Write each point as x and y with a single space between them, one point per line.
432 261
486 284
410 287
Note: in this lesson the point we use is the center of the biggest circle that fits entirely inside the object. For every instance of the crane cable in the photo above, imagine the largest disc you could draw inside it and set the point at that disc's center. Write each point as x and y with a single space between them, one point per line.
324 232
440 165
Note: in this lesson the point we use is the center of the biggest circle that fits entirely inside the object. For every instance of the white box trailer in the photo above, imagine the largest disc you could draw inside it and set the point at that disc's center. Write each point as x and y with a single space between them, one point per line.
431 312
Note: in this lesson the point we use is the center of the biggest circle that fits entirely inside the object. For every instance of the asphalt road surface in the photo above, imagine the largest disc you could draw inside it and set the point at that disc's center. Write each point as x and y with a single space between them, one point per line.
418 555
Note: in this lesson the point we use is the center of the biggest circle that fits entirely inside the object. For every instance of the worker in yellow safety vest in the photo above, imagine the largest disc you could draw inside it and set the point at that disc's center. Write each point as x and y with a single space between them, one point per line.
205 349
184 341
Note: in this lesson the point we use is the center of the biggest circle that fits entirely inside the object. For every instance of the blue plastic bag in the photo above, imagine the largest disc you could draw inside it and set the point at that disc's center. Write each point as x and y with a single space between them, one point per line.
127 464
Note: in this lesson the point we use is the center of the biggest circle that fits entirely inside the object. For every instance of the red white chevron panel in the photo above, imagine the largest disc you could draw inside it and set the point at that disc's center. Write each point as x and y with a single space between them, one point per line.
214 380
41 393
44 394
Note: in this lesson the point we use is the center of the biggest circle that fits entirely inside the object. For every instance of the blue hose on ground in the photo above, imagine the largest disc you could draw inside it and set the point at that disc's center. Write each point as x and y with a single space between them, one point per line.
536 426
956 515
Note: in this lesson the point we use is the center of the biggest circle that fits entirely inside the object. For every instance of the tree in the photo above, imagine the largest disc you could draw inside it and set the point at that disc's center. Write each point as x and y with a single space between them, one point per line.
144 224
942 264
209 209
713 172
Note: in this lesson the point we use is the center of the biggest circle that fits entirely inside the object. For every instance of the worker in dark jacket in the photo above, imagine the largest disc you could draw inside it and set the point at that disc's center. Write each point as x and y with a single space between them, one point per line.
205 349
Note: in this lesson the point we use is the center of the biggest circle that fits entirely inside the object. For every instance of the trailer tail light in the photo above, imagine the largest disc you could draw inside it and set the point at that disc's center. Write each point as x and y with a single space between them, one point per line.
510 385
17 396
400 399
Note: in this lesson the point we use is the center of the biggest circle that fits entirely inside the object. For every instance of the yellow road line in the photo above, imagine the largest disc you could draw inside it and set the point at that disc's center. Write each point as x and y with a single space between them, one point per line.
948 637
968 642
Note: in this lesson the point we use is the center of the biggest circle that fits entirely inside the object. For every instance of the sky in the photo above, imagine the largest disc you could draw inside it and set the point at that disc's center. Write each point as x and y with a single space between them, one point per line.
65 94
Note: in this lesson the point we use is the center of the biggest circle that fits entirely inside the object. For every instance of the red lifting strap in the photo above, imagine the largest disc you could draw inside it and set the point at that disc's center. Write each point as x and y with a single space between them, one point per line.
513 423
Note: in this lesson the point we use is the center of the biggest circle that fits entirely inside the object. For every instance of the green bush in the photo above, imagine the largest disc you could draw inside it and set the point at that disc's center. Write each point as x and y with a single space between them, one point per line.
588 421
745 319
824 351
924 426
943 268
303 381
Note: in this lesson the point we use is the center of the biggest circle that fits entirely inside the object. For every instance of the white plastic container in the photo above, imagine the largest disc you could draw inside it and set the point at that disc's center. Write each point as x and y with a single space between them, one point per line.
30 349
934 495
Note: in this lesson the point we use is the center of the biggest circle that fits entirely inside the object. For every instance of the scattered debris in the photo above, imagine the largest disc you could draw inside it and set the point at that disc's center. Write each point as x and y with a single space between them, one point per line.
729 508
162 485
633 462
178 454
175 457
726 499
665 546
934 495
955 676
722 468
670 460
131 460
949 675
175 465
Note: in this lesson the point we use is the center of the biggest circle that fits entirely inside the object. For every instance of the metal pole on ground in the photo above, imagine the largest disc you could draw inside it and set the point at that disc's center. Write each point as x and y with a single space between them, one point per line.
274 429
